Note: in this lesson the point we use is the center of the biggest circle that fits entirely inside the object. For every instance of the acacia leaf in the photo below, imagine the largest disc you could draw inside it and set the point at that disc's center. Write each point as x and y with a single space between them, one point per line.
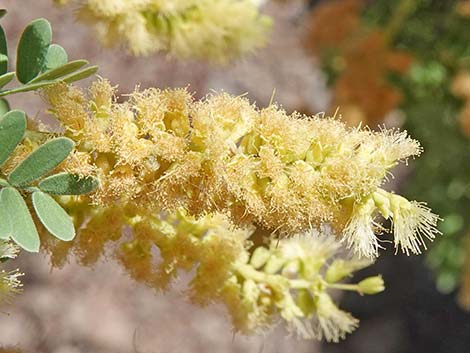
6 78
53 216
80 75
32 49
60 71
41 161
4 106
12 129
23 230
68 184
5 220
26 88
3 52
56 56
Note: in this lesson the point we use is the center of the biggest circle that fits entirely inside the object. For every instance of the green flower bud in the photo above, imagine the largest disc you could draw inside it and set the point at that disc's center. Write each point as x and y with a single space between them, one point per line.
251 291
371 285
291 269
260 257
274 264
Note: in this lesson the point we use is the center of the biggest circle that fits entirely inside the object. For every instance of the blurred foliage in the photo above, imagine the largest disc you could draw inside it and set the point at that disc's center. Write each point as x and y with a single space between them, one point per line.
435 100
357 61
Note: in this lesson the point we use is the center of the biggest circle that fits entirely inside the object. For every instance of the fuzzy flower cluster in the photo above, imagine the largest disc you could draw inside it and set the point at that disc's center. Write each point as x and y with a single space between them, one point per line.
254 202
291 279
218 30
163 150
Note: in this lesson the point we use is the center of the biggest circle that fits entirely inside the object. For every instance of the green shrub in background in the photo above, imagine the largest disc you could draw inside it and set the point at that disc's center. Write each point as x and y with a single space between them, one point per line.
435 101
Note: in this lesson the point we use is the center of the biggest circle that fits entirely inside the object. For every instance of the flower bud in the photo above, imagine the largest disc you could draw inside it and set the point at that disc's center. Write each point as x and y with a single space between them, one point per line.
260 257
371 285
274 264
251 291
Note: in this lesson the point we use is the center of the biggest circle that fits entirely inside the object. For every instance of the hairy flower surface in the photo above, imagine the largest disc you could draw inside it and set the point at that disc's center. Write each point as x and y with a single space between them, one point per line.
218 30
197 185
258 284
163 150
285 173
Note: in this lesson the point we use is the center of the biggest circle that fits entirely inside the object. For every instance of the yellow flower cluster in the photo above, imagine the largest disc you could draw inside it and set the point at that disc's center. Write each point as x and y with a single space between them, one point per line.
199 185
289 280
163 150
218 30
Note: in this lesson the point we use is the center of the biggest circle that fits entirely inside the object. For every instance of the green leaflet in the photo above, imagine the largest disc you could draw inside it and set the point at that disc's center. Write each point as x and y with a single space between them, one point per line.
56 56
80 75
32 49
27 88
3 64
3 12
12 128
4 106
41 161
5 220
3 52
60 71
38 62
68 184
6 78
53 217
23 230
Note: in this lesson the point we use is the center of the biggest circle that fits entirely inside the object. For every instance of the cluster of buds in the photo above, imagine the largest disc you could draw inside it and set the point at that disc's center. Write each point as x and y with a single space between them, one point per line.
292 278
289 279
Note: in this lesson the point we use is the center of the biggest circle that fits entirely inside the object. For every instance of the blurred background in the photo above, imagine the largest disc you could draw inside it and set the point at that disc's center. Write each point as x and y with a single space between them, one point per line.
403 63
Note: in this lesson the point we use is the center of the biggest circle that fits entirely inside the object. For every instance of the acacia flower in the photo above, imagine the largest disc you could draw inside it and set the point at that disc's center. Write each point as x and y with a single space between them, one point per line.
284 173
191 185
217 30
